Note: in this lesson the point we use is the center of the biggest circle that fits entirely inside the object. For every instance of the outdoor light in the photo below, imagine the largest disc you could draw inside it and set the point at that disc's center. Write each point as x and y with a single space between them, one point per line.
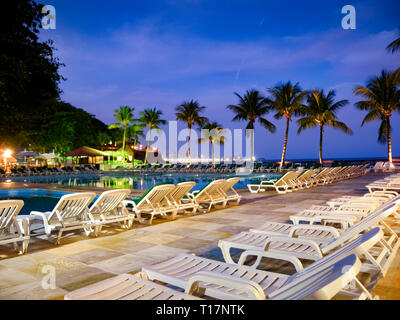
7 153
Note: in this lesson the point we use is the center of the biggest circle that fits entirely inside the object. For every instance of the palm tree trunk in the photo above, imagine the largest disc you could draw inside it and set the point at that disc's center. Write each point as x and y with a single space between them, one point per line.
147 148
252 146
190 133
123 143
284 144
389 140
212 150
321 130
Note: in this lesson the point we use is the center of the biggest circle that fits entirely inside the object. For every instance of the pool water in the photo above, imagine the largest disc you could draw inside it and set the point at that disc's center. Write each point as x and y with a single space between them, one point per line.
141 181
34 199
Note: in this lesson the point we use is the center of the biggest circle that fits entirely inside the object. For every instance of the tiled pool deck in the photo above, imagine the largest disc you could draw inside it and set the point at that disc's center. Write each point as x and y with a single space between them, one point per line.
80 261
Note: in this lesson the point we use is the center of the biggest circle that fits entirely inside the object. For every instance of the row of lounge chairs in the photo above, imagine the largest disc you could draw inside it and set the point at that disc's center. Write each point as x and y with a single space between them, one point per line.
73 211
307 178
391 182
369 246
47 171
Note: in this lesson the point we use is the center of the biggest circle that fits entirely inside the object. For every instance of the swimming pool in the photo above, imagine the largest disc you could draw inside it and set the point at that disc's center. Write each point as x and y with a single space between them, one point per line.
34 199
140 181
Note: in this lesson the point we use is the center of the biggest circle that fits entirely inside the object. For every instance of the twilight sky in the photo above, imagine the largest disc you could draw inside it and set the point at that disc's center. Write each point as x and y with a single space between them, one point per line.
149 54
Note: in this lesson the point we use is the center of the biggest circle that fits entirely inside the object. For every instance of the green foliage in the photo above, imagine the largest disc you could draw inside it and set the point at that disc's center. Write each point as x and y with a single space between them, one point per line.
189 112
381 98
320 111
31 112
251 107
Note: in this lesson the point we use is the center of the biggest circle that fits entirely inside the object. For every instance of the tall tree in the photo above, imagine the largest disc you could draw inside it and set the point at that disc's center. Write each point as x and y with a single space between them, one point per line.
252 107
29 72
134 132
286 100
382 98
189 112
151 118
394 45
320 111
213 134
124 116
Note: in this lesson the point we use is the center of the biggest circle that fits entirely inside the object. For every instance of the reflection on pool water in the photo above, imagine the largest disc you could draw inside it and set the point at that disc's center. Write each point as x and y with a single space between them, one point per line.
140 181
34 199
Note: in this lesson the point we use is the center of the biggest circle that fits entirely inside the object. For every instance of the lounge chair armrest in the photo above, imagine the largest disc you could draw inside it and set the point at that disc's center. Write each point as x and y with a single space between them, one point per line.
23 223
43 217
292 234
268 254
306 242
126 202
253 289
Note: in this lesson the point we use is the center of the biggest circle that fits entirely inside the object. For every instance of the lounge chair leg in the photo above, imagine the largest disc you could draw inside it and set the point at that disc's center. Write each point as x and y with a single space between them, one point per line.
226 253
25 244
59 237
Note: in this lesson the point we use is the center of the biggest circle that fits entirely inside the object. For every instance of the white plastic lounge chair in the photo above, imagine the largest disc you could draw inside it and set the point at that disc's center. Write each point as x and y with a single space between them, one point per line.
349 214
210 195
311 250
13 230
179 197
229 192
153 202
70 213
281 185
109 209
228 281
127 287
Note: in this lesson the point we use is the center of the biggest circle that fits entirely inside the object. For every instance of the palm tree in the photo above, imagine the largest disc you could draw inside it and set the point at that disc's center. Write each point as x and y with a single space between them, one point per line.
394 45
320 112
252 107
189 112
213 136
382 98
103 139
151 118
124 115
134 132
287 101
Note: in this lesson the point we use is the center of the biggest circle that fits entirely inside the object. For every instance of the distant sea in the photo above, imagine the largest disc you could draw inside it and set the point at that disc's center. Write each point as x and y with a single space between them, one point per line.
328 159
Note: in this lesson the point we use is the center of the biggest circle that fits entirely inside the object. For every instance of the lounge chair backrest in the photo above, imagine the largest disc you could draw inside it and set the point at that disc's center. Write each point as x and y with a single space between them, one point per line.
211 189
181 190
369 221
365 240
71 206
285 179
229 184
156 195
331 279
109 201
9 209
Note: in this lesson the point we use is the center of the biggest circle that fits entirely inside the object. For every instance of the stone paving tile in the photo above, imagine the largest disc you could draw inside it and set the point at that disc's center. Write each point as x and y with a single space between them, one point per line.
128 246
94 255
211 235
233 229
31 291
12 277
190 243
82 260
180 231
75 279
160 253
159 238
123 264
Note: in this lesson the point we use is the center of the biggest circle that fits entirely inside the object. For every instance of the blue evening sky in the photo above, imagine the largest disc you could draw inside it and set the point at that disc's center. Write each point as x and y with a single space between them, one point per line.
149 54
